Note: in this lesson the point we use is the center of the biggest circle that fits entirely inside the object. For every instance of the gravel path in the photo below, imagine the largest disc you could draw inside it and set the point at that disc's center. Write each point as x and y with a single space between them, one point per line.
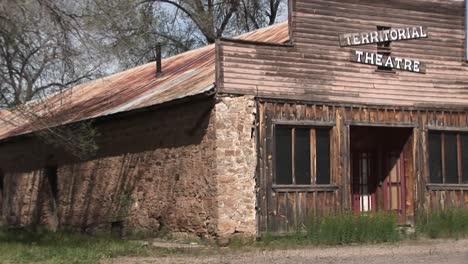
414 252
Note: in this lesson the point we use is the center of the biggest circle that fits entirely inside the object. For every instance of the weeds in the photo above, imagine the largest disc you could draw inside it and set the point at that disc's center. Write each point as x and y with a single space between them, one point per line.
351 228
341 229
22 246
448 223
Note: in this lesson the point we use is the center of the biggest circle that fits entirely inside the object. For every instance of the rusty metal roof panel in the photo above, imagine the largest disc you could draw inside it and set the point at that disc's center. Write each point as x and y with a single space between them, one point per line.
184 75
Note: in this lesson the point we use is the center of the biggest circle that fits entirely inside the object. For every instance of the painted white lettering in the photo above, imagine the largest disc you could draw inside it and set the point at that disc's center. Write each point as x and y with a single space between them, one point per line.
348 38
398 61
365 38
423 32
389 62
408 36
374 37
415 33
369 58
393 34
408 65
359 55
416 66
378 59
401 33
356 39
386 33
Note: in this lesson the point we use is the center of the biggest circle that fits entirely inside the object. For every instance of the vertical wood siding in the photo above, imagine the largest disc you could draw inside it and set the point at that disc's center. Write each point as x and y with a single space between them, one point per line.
286 209
316 68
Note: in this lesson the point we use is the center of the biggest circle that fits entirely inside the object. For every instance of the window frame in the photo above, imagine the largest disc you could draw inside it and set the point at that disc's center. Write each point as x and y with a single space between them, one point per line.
444 185
313 185
384 48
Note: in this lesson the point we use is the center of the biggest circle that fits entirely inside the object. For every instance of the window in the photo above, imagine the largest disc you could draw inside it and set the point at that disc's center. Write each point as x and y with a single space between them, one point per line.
51 175
448 157
1 191
1 183
385 49
302 155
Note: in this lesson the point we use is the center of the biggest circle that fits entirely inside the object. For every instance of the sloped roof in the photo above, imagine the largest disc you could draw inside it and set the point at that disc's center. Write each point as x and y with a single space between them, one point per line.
184 75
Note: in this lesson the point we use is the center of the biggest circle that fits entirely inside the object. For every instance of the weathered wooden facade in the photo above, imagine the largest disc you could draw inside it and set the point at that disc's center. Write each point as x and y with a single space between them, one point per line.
395 140
357 105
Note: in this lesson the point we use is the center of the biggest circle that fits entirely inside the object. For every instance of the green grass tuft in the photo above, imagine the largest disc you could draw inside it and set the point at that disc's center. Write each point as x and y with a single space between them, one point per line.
22 246
340 229
353 228
448 223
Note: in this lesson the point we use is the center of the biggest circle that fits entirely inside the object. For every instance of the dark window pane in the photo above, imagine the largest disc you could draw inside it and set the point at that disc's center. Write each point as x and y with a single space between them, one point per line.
464 157
435 157
283 155
451 162
323 155
302 155
51 174
1 182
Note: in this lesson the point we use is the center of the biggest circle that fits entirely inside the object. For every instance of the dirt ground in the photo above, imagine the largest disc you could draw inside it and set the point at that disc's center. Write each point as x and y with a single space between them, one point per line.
414 252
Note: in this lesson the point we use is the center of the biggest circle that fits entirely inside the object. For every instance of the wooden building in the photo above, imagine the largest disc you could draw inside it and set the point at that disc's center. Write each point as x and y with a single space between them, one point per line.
353 105
335 135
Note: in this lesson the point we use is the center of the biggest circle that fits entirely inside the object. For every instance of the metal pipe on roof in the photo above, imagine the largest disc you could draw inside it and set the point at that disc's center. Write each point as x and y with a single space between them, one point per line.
158 59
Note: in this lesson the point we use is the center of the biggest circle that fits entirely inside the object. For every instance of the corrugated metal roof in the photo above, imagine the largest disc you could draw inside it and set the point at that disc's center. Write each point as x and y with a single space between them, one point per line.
184 75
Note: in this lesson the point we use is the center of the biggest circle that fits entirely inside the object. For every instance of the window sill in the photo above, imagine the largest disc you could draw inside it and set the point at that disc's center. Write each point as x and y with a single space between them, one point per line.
305 188
447 187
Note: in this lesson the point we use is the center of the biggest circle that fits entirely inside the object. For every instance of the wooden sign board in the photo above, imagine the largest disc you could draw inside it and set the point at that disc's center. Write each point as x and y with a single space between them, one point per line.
397 63
393 34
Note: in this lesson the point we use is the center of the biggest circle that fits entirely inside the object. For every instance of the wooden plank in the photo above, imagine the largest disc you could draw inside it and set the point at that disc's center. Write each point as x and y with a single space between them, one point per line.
442 199
313 156
293 215
447 187
281 219
410 181
272 203
317 68
457 199
305 188
301 209
465 200
311 209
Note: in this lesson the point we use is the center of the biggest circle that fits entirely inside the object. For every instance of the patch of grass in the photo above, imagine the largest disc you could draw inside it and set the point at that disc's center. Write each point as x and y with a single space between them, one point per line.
340 229
273 241
448 223
22 246
353 228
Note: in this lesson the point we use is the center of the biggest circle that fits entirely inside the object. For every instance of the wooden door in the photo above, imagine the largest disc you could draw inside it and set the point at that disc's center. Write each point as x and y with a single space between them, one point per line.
394 185
364 185
378 182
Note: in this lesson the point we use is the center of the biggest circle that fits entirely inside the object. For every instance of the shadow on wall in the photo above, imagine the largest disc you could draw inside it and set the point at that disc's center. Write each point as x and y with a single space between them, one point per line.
153 171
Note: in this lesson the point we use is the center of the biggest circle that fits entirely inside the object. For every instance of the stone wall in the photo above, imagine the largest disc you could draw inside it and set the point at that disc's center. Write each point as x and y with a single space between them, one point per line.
182 168
237 159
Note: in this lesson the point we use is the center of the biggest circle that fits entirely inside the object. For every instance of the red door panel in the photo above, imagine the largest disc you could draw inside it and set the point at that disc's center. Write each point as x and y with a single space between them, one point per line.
368 179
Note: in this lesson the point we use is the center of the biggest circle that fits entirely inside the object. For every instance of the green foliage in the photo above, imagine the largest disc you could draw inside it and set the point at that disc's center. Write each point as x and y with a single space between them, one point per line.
353 228
22 246
448 223
342 229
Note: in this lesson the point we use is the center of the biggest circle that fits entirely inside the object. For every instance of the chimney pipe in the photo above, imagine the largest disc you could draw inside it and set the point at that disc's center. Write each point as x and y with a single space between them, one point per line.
158 59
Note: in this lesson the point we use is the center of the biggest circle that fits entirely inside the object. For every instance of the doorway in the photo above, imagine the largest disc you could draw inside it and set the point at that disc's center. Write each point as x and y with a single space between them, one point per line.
378 169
